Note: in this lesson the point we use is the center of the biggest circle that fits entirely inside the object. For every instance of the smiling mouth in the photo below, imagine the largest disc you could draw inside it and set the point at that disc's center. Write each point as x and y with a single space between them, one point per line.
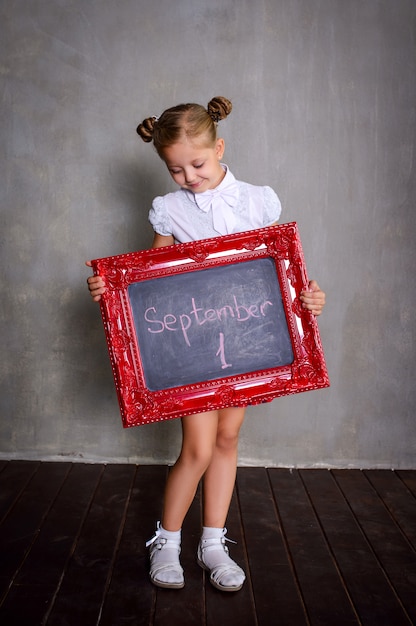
196 185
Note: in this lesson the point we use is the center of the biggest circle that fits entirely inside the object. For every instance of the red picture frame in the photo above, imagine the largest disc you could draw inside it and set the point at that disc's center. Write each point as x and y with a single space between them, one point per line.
157 379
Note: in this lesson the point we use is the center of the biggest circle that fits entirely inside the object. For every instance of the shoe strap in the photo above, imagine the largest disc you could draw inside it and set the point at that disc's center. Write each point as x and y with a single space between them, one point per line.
215 543
155 536
158 541
169 544
219 539
225 569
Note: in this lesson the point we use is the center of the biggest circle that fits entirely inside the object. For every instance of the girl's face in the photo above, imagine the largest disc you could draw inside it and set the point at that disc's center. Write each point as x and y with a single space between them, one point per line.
195 166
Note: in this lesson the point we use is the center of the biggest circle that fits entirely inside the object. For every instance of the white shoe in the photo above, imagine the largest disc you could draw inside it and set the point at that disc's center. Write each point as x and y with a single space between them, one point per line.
165 568
213 556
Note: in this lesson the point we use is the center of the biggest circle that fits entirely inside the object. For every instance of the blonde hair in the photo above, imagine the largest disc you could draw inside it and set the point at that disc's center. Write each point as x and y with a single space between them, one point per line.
184 120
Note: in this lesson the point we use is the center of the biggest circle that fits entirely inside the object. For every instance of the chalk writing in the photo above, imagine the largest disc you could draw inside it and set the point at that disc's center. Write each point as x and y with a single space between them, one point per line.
221 353
198 316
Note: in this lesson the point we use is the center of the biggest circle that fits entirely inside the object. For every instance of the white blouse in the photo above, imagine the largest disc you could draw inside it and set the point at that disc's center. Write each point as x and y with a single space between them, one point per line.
232 207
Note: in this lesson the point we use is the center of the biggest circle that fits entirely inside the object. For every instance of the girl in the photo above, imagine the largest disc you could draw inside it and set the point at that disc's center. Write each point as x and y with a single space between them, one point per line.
209 203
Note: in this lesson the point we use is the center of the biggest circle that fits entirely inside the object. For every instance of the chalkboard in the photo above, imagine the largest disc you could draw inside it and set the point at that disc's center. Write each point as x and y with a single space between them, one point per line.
208 324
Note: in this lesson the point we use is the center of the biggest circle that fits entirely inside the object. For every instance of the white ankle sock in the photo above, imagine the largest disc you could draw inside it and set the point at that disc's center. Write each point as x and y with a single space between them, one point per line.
211 532
165 567
175 535
215 555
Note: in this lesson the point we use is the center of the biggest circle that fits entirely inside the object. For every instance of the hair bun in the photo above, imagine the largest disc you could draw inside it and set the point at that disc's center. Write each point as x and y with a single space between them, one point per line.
218 108
146 129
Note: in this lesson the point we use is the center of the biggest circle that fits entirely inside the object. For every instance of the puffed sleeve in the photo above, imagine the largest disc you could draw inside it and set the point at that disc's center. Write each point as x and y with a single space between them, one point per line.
272 207
159 217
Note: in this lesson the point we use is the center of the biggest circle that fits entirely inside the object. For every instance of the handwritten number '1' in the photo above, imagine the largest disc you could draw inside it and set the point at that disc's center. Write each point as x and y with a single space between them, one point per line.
221 354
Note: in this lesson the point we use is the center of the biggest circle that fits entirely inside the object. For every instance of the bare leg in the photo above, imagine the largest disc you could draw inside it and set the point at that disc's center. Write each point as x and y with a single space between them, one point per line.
209 446
219 482
198 444
220 475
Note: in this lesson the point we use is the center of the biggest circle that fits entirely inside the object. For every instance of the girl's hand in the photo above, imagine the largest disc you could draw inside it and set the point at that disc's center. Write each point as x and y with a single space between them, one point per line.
96 285
313 298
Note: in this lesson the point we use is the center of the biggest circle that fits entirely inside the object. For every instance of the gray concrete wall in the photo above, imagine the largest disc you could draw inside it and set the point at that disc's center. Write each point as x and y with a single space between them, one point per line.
324 95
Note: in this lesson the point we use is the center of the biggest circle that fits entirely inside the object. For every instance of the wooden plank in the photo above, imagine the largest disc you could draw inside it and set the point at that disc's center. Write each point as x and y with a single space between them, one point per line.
232 607
131 596
391 548
21 526
36 582
326 599
274 585
374 600
185 606
398 499
13 479
409 479
80 596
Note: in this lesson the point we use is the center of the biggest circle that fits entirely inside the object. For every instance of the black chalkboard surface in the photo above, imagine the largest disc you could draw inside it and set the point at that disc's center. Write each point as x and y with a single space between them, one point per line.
209 324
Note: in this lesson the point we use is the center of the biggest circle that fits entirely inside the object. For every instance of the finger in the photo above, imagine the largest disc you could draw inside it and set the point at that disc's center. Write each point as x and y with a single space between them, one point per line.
313 308
313 286
94 282
313 301
97 289
313 298
96 294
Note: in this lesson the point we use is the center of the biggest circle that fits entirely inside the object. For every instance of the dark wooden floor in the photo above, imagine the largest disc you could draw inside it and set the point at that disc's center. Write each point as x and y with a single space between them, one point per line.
319 547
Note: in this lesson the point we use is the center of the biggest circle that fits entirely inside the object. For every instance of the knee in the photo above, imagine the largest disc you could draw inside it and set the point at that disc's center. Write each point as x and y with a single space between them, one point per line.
229 425
197 457
227 440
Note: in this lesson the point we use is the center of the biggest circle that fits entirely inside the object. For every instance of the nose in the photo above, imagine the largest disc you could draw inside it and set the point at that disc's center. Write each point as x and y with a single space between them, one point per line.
189 176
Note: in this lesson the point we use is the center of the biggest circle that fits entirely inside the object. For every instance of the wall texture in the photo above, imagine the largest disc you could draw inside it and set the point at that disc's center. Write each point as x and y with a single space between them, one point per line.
324 95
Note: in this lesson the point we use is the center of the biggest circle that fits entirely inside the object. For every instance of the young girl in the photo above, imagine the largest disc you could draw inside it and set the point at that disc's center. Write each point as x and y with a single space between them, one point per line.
209 203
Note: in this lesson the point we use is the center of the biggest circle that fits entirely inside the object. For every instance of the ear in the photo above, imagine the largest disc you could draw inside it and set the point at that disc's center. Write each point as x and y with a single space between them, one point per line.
219 148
